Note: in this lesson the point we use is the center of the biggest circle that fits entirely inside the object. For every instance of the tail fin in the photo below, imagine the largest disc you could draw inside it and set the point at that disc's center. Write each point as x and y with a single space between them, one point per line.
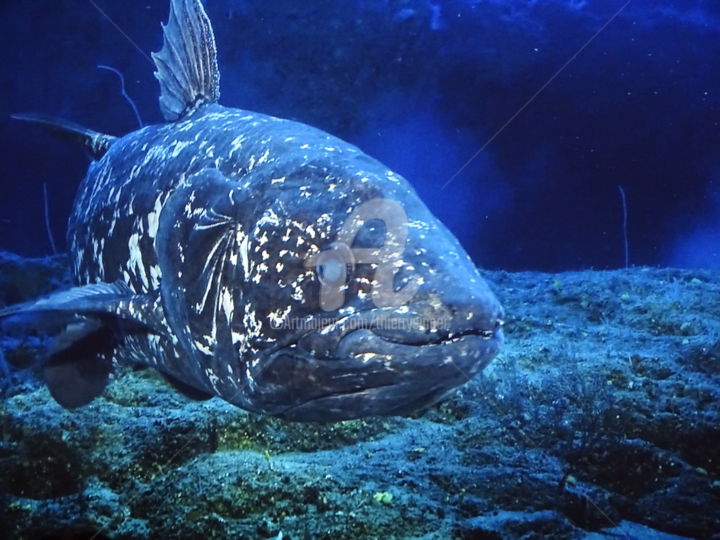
97 144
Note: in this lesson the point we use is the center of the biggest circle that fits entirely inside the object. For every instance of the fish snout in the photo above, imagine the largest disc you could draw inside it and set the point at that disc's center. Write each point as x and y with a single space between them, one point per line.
475 310
440 319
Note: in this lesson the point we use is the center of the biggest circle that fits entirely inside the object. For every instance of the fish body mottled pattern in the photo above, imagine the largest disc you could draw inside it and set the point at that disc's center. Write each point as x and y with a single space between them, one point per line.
260 260
113 231
113 228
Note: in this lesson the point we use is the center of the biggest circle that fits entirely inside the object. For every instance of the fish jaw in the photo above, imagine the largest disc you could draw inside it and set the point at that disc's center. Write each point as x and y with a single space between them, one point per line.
381 361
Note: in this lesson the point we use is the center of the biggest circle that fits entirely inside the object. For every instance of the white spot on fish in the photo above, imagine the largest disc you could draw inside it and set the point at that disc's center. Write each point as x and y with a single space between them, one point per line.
262 159
237 337
269 217
277 317
227 304
135 260
236 144
153 218
244 242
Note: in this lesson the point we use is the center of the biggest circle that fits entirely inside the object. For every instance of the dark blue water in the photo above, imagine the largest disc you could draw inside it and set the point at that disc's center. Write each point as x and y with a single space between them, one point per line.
422 86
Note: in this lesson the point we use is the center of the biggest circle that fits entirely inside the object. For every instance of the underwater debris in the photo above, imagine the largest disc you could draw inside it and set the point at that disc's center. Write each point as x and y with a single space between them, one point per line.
46 213
124 93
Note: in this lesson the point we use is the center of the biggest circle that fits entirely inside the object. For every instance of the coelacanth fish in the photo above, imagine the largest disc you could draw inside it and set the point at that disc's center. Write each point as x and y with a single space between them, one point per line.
257 259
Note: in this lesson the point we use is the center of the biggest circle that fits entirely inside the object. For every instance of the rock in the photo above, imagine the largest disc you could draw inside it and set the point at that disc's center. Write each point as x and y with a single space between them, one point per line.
25 279
599 419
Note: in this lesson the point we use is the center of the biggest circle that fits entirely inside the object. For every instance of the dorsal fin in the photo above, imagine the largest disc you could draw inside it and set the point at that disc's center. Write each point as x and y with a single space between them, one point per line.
187 63
96 144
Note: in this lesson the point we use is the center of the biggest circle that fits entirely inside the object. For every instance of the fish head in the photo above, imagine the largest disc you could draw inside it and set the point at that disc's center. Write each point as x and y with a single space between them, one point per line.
361 302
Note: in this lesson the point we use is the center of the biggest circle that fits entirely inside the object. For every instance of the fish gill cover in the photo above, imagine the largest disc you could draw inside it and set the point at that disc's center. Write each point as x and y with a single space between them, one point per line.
546 135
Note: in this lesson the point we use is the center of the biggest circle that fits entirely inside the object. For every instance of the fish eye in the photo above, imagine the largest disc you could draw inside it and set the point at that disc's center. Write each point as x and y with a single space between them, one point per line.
371 235
334 265
331 271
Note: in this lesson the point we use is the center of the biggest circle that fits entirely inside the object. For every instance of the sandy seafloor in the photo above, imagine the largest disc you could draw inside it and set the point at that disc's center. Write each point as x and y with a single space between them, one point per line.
600 419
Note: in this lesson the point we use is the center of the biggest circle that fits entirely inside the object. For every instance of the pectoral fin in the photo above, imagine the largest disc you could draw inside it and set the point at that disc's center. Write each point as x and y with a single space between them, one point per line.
86 325
100 301
79 371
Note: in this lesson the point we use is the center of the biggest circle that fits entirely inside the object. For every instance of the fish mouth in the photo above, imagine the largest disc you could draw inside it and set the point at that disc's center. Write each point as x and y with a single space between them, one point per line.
423 340
382 362
462 352
372 376
401 327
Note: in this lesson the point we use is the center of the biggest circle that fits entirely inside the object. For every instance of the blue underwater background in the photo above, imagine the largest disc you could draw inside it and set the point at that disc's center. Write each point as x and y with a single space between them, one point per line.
549 135
421 86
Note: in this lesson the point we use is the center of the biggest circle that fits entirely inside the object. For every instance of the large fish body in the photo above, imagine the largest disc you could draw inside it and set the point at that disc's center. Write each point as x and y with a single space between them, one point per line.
260 260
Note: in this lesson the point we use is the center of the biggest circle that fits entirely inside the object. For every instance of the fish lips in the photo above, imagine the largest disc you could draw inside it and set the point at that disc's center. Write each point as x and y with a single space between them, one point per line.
404 330
366 367
387 379
451 356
